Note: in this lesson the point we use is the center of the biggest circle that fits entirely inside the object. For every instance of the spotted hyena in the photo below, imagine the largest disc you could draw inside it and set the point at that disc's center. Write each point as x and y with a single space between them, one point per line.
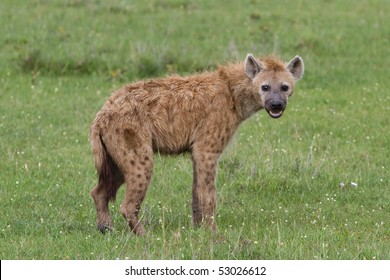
196 114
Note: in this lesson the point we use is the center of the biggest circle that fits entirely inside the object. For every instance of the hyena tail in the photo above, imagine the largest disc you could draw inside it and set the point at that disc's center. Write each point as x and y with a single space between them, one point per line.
107 170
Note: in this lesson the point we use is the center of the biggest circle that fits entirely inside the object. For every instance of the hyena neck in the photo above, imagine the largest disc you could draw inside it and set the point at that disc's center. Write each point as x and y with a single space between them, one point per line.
244 95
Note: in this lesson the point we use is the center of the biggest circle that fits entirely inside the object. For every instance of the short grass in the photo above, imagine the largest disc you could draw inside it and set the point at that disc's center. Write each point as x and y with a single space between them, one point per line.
279 194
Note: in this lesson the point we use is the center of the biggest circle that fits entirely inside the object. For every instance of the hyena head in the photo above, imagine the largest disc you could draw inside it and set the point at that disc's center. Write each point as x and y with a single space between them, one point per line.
274 81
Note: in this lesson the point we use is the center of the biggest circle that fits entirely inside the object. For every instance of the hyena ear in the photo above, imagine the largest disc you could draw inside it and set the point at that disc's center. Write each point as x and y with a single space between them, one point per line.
296 67
252 66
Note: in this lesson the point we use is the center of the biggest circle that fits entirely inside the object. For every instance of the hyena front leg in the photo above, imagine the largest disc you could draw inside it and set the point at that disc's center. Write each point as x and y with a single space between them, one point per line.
203 189
137 176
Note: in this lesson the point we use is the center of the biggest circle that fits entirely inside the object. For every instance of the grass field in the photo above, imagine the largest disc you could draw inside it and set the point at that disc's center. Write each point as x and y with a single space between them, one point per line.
278 186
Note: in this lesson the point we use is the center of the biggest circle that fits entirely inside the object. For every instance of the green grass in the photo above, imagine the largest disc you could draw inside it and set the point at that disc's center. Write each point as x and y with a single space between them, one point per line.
278 181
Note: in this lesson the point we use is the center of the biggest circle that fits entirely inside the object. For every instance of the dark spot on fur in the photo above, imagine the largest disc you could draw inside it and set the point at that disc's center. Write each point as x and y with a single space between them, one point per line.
210 174
139 175
209 178
140 190
146 158
132 140
132 162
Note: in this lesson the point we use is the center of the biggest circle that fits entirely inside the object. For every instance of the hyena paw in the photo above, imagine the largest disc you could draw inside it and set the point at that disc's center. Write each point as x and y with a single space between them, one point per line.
105 227
139 229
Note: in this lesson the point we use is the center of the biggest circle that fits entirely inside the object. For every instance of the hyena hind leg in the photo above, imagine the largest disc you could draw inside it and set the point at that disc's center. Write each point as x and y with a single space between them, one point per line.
104 192
138 174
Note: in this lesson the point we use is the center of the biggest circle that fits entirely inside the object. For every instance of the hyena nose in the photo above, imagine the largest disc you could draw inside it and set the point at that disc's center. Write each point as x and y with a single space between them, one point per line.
277 106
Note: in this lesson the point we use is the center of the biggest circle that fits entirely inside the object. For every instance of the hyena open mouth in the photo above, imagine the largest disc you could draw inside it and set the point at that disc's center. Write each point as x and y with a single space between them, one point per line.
275 115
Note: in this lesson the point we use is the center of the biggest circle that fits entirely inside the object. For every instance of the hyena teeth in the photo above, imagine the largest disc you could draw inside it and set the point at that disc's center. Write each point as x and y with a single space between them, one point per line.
275 115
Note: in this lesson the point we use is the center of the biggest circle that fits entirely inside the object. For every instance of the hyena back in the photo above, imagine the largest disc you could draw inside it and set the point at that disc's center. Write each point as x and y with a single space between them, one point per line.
196 114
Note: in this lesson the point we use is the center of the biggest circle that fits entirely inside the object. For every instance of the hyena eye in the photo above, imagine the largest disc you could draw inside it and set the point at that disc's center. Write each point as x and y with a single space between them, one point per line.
265 87
284 88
